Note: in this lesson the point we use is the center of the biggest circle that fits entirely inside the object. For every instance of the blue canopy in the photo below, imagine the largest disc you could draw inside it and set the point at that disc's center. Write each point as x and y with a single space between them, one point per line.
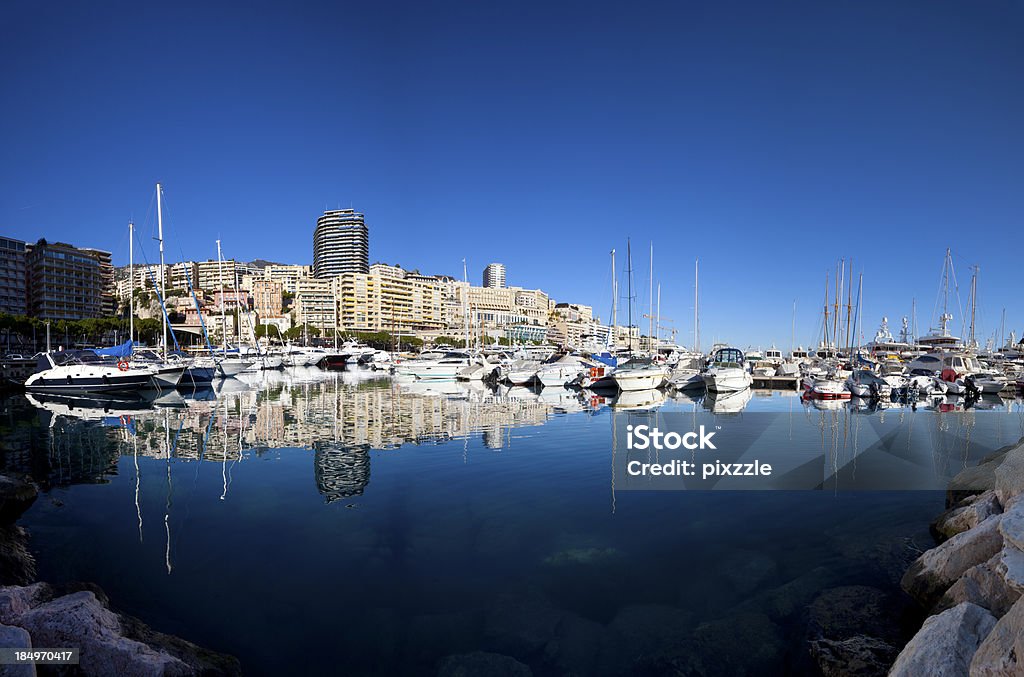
605 358
123 350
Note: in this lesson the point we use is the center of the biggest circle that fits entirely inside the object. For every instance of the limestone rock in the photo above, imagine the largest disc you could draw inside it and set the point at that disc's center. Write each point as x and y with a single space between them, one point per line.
1009 476
946 644
1002 652
982 585
79 619
16 495
857 656
1010 566
937 569
482 664
15 638
967 514
16 600
1011 526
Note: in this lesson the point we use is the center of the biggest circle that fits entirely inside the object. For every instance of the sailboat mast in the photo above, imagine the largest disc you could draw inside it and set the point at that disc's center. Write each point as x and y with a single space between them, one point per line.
849 307
629 292
223 318
657 322
131 284
465 301
824 334
974 303
650 302
160 236
696 299
615 303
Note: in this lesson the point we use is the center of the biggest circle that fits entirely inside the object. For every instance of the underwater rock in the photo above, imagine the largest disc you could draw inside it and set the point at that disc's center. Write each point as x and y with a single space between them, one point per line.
857 656
852 610
16 495
17 565
791 597
521 625
937 569
945 644
482 664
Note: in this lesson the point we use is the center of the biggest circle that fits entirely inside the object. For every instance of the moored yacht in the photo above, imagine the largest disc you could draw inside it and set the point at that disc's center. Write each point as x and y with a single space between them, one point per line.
727 371
85 371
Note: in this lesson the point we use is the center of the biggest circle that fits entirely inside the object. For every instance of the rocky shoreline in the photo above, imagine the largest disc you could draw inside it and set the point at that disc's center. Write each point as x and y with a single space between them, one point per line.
36 614
971 583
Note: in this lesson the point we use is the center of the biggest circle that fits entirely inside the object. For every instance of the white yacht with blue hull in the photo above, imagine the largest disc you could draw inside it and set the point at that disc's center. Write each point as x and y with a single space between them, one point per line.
81 371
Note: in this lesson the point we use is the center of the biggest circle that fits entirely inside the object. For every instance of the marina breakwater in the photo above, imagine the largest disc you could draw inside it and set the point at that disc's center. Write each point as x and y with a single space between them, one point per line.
79 615
972 582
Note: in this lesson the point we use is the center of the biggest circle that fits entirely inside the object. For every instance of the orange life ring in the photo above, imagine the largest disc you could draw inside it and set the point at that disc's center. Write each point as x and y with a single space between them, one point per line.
122 365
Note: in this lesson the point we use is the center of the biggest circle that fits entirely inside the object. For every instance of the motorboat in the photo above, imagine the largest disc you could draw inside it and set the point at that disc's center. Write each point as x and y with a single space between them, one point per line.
481 368
639 374
522 371
565 370
447 366
686 379
85 371
640 399
866 384
727 371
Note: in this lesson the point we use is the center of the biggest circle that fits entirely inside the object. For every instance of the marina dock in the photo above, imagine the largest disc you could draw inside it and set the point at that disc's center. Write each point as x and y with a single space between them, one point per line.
777 382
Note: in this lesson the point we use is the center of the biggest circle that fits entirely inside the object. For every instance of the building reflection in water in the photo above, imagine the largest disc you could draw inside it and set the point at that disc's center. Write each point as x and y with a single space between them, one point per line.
340 417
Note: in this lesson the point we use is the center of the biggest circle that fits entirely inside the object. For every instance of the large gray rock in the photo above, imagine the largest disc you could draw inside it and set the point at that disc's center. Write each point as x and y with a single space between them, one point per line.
15 638
936 570
16 495
982 585
1002 652
1009 476
946 644
1010 566
1011 526
965 515
482 664
857 656
16 600
81 620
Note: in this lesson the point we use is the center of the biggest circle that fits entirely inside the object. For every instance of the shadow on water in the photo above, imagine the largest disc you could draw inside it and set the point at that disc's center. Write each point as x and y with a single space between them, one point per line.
348 521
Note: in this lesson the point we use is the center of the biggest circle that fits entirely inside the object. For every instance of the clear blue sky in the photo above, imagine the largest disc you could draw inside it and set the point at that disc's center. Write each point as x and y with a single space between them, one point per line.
769 139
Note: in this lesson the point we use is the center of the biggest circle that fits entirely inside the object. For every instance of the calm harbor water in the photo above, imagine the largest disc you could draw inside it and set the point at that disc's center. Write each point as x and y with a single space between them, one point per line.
313 520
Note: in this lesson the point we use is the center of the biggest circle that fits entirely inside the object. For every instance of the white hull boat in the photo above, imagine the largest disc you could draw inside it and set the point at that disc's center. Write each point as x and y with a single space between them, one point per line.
727 372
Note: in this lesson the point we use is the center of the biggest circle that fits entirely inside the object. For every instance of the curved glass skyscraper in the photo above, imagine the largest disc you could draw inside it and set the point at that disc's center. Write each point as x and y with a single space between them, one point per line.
341 244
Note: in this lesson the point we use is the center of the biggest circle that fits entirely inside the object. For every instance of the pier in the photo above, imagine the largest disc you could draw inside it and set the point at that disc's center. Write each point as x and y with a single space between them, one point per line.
776 382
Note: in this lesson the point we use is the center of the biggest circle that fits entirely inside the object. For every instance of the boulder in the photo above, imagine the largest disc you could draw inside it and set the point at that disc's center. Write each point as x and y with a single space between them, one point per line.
852 610
643 635
738 644
792 597
1009 476
575 647
16 600
1002 652
17 493
1011 526
81 620
1010 566
945 644
17 565
857 656
982 585
748 571
16 638
482 664
936 570
967 514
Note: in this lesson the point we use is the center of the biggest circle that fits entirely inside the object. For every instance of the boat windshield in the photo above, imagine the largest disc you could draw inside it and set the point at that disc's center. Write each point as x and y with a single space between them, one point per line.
728 357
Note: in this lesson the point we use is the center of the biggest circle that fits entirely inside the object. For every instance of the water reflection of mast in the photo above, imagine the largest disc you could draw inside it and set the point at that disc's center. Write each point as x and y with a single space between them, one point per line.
138 508
167 504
